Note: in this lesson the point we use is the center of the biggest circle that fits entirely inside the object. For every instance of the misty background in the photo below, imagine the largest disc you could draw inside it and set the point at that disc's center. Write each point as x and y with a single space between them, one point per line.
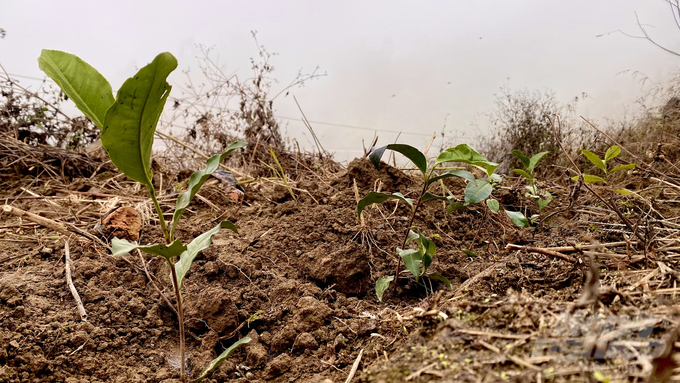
385 67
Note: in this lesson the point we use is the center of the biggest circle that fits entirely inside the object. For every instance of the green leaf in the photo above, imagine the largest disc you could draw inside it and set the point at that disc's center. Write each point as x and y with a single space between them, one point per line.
382 284
453 173
199 243
455 206
543 202
623 191
470 253
493 205
83 84
440 278
121 247
408 151
477 191
412 259
131 121
429 197
526 161
592 157
622 167
612 152
523 174
534 160
428 249
518 218
466 154
212 366
589 178
375 197
198 179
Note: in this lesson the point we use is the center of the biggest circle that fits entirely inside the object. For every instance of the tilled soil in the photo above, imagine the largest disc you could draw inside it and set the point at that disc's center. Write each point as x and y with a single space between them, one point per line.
299 280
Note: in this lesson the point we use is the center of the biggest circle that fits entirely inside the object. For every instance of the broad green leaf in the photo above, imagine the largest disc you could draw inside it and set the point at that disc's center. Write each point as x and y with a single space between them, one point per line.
175 249
408 151
477 191
493 205
83 84
453 173
589 178
412 259
518 218
543 202
375 197
622 167
198 179
382 284
496 178
455 206
612 152
592 157
466 154
526 161
440 278
429 197
131 121
199 243
523 174
412 236
212 366
534 160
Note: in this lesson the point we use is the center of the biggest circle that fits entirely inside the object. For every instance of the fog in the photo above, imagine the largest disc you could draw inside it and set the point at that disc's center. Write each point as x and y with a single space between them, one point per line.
390 66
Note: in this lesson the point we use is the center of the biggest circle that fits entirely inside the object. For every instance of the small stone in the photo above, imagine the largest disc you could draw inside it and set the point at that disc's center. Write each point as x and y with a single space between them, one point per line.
306 341
278 366
124 222
340 342
14 344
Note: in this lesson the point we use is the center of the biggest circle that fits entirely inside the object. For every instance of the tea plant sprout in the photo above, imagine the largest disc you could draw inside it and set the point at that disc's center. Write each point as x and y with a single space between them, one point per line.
418 260
601 163
542 197
128 124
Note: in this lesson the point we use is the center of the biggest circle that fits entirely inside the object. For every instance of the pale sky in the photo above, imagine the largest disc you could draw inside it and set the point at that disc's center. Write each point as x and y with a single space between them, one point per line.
391 65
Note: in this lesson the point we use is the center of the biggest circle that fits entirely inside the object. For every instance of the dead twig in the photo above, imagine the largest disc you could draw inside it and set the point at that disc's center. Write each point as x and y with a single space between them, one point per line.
540 250
69 282
355 366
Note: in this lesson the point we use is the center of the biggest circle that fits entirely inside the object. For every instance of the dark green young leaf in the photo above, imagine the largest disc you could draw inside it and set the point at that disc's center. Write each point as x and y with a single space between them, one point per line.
199 243
408 151
83 84
121 247
526 161
612 152
440 278
375 197
382 284
477 191
452 173
523 174
412 259
592 157
212 366
493 205
131 121
470 253
198 179
543 202
534 160
428 249
622 167
429 197
518 218
455 206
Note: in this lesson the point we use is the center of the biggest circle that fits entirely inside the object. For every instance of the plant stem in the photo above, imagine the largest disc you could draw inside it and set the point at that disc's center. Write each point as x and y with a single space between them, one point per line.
408 229
180 315
152 193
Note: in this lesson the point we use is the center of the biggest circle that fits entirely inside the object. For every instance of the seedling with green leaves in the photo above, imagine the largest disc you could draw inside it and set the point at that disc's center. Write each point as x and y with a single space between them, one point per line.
128 124
418 260
542 197
601 163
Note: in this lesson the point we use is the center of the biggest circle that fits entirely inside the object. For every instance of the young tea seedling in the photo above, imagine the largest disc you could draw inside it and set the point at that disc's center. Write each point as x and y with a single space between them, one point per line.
542 197
601 164
418 260
128 124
